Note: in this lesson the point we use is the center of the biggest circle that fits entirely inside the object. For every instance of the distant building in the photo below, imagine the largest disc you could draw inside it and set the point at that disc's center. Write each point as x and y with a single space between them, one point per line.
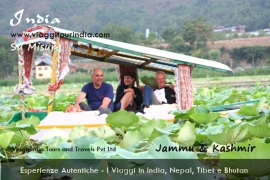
238 29
267 31
255 33
43 67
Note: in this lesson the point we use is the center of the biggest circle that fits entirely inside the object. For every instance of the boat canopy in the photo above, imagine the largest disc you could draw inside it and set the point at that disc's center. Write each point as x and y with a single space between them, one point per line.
64 42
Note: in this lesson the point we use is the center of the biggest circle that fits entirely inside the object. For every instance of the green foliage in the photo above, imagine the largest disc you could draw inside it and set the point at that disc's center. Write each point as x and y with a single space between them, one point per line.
27 125
245 35
8 58
189 32
229 136
6 139
255 167
204 118
260 130
131 138
119 33
197 31
251 54
169 34
77 132
122 119
152 39
134 137
80 70
148 127
235 35
214 55
219 36
186 136
151 81
178 45
267 62
199 53
104 132
262 33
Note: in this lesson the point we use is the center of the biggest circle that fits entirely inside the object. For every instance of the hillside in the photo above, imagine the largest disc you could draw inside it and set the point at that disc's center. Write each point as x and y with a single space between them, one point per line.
93 15
240 42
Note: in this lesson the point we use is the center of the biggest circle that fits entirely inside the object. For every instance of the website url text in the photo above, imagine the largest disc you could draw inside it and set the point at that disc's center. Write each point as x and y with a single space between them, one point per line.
63 35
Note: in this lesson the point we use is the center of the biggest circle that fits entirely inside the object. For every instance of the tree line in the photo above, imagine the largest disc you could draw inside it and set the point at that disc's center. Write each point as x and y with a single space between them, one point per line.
93 15
191 41
8 58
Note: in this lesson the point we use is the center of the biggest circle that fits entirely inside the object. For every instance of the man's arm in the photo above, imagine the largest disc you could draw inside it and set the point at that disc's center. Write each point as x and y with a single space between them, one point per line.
108 97
105 103
79 99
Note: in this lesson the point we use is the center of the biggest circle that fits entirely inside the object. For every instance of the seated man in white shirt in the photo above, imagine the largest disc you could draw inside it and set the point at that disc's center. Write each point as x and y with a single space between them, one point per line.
162 95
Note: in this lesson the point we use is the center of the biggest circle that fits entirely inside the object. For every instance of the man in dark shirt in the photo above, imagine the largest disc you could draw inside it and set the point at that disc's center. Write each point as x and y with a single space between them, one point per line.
99 95
162 95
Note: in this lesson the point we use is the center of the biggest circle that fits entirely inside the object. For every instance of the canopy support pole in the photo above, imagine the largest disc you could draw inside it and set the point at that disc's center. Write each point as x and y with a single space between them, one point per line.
54 69
21 96
183 87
